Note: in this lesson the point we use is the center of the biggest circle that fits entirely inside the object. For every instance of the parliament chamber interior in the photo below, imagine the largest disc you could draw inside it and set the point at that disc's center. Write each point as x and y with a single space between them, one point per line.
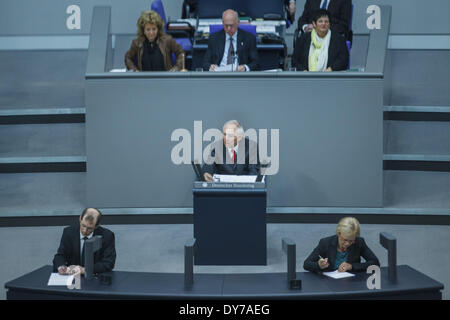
84 124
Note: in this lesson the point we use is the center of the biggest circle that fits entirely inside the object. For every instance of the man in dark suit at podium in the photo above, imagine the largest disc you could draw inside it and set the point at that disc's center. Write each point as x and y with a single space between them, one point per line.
233 155
69 258
223 45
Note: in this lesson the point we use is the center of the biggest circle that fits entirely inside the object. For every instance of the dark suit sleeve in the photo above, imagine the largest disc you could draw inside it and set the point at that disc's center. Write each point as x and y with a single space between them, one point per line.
368 255
209 165
340 22
298 56
60 258
341 61
311 263
306 16
254 165
108 259
253 63
210 52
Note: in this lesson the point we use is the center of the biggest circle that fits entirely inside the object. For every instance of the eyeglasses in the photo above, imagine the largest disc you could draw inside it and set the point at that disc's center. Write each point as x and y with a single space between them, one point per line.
347 240
88 229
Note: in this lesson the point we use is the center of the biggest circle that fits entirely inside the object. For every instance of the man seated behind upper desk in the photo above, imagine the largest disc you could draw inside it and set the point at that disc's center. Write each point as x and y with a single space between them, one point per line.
153 48
69 257
234 154
343 251
322 49
222 46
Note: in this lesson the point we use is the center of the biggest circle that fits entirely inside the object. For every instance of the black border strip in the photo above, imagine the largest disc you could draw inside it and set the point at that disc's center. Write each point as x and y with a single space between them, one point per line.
312 218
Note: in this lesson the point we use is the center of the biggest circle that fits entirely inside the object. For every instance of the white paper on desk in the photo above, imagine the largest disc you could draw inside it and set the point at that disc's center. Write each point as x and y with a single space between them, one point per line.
338 275
60 280
118 70
233 178
273 70
265 29
227 68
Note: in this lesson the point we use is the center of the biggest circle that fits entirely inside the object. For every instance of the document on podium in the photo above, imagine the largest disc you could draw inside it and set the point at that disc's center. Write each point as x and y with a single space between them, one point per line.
233 178
227 68
60 280
338 275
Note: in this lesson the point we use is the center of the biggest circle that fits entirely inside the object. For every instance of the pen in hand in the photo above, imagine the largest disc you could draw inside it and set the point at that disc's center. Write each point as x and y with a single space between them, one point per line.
323 263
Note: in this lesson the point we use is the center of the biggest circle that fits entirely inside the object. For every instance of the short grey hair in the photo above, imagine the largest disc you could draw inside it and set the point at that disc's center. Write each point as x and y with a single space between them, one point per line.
239 128
236 16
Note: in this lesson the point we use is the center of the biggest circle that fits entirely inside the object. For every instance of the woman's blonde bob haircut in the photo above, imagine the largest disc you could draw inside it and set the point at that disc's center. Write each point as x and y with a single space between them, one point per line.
348 226
151 17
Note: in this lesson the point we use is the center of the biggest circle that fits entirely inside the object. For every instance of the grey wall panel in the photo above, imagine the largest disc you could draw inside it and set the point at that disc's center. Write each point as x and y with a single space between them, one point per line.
420 77
330 136
30 17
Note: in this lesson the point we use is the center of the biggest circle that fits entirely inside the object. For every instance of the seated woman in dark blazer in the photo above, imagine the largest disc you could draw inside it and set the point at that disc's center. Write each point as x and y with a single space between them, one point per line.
343 251
153 48
321 50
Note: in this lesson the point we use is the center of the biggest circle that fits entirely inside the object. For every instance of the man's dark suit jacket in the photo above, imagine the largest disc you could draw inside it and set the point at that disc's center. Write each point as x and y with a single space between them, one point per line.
340 13
337 52
247 163
69 250
247 52
327 248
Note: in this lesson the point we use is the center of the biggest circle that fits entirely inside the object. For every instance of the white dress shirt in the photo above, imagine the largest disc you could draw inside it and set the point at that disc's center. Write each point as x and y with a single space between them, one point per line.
230 152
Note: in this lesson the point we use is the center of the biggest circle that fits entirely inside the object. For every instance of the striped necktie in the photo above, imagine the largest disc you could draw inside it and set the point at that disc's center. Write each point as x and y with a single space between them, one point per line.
83 251
230 52
324 4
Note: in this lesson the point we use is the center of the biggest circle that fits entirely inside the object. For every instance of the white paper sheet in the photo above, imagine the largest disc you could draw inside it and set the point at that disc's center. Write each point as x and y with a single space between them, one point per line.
233 178
227 68
338 275
60 280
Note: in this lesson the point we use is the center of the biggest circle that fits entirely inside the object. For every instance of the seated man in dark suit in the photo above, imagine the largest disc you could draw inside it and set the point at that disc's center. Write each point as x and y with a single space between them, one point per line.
234 154
223 44
340 13
69 257
322 49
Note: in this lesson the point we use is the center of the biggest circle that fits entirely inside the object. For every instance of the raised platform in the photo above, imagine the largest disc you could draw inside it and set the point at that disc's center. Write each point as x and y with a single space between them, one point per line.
411 284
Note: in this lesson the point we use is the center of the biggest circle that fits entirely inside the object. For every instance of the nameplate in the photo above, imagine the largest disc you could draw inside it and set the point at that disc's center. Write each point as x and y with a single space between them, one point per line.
223 185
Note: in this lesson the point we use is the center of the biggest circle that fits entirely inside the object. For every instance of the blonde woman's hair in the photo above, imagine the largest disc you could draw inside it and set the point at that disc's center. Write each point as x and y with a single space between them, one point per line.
348 226
151 17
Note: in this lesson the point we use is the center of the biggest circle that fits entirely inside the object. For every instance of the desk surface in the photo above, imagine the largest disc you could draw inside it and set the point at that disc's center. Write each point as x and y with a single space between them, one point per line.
143 285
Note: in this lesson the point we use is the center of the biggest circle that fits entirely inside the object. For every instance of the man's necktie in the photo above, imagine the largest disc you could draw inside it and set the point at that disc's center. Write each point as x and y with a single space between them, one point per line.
324 4
230 52
83 251
234 156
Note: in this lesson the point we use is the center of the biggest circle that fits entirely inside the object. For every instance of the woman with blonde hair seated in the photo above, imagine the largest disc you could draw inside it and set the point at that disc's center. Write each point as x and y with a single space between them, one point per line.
153 48
343 251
